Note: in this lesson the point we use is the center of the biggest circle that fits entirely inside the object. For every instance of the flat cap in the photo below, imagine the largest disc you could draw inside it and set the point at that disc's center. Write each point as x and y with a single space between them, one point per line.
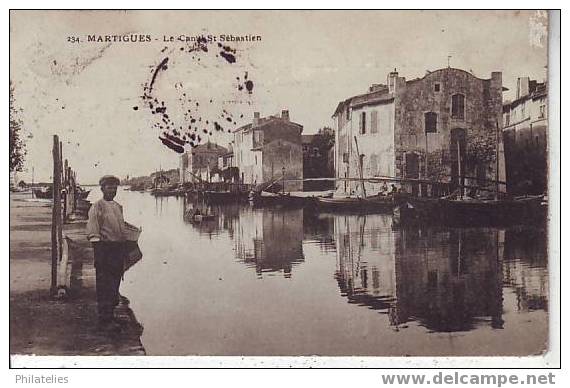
109 179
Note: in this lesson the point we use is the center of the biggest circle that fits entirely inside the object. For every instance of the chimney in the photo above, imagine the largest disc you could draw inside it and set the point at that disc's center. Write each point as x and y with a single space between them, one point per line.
255 119
392 78
285 115
522 86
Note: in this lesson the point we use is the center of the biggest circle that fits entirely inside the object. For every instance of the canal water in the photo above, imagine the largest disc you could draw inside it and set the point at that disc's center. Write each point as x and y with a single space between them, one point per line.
292 282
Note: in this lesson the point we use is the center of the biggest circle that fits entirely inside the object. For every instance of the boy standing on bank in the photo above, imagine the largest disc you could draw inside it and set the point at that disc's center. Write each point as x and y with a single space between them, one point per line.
106 231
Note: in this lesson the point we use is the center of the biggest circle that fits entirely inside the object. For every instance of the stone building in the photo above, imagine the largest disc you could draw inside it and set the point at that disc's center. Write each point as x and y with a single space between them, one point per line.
201 162
525 134
267 148
450 115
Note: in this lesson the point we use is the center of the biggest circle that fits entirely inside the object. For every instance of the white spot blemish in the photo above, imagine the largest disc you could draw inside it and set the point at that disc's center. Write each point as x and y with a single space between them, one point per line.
538 31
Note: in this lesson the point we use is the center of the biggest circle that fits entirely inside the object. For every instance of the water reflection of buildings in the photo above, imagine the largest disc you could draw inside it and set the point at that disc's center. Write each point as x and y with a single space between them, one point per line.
447 280
319 227
270 240
224 220
525 267
365 260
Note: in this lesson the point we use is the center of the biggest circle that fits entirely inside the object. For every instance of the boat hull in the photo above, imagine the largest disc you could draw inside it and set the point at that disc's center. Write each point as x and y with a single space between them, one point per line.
472 212
43 194
375 204
224 196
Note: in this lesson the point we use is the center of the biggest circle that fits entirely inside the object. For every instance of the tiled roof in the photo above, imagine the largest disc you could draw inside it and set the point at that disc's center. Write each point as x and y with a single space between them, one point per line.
264 121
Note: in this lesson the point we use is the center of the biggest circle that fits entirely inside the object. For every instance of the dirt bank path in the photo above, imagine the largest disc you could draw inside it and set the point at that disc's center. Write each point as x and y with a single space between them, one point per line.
42 325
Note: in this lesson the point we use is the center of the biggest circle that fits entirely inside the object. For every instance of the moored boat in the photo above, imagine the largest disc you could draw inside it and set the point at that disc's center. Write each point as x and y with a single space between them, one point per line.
472 211
296 198
382 203
493 211
43 193
224 196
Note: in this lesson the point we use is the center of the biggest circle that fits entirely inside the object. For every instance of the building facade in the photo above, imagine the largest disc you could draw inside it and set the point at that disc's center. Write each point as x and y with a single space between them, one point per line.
268 148
226 166
318 160
201 162
441 127
525 135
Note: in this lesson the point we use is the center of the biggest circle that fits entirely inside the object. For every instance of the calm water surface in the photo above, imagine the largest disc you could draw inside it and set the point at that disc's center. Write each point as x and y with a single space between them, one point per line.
291 282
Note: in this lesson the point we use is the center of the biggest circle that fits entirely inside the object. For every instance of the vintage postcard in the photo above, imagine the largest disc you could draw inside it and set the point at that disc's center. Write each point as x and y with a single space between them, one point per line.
279 184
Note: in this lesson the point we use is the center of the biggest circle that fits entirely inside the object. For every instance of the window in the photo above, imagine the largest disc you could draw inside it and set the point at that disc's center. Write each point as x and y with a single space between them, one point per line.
345 157
507 119
374 122
363 123
458 106
437 87
257 138
430 122
542 113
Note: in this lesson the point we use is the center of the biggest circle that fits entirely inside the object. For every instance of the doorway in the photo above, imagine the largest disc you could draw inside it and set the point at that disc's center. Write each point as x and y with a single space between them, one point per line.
412 170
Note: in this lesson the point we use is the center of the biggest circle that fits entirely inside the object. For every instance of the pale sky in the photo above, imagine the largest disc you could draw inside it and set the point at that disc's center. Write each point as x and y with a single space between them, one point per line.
306 62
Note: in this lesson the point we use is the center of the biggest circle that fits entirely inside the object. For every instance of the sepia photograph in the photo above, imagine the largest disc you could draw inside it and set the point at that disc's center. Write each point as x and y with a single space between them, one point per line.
292 183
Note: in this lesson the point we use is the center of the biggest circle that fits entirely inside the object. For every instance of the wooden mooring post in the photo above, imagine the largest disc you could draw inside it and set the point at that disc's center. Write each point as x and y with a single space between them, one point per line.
56 219
64 204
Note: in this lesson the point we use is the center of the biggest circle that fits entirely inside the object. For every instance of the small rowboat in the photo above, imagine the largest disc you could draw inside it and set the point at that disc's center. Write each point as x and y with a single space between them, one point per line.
203 217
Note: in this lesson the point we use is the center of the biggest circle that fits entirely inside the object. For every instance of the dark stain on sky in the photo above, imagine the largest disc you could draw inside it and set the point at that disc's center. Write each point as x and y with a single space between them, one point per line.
162 66
176 136
228 57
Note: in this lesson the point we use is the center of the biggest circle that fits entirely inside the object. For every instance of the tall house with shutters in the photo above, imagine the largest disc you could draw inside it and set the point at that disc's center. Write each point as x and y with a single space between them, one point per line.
525 132
438 127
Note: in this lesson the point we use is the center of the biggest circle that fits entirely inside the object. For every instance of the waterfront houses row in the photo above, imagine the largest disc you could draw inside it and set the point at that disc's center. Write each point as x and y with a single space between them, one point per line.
525 131
264 150
447 126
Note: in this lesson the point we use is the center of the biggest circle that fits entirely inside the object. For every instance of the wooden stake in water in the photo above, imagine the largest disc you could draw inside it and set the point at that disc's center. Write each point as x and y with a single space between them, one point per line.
56 213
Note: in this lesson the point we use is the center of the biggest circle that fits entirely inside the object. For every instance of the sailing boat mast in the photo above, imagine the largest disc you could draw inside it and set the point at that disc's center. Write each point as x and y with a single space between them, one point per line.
360 166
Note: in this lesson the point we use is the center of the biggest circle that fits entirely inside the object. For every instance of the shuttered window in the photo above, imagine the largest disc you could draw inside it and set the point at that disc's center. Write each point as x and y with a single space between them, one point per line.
374 122
430 122
458 106
362 123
